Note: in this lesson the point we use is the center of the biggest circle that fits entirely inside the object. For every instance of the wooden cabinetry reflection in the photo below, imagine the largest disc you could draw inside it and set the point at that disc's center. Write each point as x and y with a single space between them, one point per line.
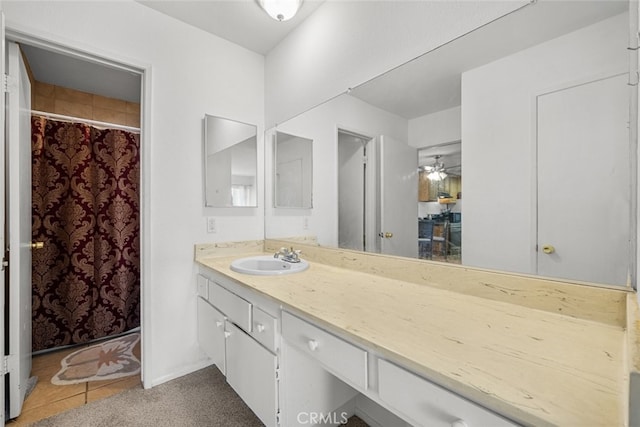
428 190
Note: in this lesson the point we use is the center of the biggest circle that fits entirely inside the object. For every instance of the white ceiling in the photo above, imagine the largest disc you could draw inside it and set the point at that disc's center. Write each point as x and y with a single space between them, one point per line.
242 22
66 71
432 82
429 83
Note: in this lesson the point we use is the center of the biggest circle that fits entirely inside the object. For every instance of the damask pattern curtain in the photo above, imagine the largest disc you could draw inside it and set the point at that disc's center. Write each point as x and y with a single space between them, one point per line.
86 279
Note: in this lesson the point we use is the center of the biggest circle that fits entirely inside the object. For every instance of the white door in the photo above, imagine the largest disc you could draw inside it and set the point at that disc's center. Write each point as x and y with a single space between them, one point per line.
583 166
18 122
398 198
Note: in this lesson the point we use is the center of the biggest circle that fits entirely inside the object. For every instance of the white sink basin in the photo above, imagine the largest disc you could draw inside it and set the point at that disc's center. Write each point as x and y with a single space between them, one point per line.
267 265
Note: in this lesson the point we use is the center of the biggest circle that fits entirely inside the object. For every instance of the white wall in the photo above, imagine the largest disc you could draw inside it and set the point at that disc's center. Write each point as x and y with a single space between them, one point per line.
192 73
321 125
345 43
436 128
498 130
294 160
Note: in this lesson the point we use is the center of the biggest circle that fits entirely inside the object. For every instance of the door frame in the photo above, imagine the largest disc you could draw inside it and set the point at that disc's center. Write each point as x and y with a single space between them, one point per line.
371 221
99 56
3 221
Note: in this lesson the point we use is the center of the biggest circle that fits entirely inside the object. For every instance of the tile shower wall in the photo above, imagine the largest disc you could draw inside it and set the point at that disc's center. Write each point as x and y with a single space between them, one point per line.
70 102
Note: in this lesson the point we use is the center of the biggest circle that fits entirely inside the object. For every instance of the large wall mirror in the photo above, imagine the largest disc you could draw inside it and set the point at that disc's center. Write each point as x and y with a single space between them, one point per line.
293 171
528 119
230 163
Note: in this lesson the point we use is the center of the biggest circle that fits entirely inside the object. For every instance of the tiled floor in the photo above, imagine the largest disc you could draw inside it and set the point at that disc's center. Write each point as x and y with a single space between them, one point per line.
47 399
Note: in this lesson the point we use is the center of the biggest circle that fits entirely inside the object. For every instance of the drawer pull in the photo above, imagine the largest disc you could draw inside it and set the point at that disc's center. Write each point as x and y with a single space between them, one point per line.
313 345
219 324
459 423
260 327
227 334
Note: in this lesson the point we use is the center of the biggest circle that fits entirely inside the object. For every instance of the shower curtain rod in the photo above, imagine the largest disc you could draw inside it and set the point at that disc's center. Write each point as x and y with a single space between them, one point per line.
85 121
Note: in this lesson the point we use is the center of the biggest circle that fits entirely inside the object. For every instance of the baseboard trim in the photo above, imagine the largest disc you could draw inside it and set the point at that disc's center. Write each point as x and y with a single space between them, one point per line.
182 372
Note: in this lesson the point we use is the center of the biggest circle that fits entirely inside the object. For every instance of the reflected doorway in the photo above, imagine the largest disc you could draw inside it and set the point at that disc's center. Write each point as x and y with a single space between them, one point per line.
440 202
357 207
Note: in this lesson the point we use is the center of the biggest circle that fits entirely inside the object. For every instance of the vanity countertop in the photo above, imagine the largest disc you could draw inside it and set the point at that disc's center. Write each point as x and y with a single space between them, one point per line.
536 367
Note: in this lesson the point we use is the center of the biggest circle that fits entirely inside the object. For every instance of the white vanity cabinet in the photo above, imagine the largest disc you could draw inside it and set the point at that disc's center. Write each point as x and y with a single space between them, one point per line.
336 355
406 394
289 367
240 338
251 371
427 404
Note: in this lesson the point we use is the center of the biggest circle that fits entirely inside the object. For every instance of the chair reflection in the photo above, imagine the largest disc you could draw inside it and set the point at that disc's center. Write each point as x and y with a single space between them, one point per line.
429 242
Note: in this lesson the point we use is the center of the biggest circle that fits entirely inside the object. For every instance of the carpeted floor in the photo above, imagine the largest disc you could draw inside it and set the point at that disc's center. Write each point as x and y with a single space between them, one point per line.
202 398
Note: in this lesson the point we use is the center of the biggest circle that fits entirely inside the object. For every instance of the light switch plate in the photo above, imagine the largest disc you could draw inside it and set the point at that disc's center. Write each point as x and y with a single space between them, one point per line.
211 224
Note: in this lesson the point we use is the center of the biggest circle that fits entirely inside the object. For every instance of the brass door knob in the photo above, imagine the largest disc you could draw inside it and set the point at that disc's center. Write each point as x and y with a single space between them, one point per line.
548 249
388 235
37 245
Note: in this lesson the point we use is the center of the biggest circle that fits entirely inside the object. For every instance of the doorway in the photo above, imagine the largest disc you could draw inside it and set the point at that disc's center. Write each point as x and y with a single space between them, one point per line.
73 57
377 194
358 214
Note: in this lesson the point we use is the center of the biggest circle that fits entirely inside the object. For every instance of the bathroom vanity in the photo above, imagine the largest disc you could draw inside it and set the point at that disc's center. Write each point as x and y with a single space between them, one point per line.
408 342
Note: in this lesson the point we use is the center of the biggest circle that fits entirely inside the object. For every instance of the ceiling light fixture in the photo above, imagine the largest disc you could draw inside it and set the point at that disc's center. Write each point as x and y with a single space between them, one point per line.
437 170
281 10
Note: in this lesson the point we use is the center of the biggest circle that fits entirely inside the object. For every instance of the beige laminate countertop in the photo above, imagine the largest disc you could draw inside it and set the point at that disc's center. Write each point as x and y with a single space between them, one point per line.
536 367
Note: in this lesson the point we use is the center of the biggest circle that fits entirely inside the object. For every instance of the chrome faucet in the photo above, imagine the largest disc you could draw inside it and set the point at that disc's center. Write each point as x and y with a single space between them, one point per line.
288 254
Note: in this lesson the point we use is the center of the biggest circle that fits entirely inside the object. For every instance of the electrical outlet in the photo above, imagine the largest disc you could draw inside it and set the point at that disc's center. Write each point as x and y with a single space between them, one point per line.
211 224
305 222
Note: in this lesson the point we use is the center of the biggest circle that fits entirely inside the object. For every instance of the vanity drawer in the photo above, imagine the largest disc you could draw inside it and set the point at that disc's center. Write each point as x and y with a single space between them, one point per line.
427 404
235 308
203 286
264 328
338 356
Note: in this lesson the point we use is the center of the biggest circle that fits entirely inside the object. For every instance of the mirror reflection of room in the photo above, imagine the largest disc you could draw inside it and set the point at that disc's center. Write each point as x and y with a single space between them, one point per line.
440 202
230 163
529 111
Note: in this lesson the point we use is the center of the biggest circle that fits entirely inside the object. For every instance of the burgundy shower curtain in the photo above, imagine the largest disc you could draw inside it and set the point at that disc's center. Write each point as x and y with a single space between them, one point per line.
86 279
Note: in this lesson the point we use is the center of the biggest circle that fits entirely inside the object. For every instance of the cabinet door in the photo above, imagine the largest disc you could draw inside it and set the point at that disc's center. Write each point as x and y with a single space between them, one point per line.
251 371
423 187
211 333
